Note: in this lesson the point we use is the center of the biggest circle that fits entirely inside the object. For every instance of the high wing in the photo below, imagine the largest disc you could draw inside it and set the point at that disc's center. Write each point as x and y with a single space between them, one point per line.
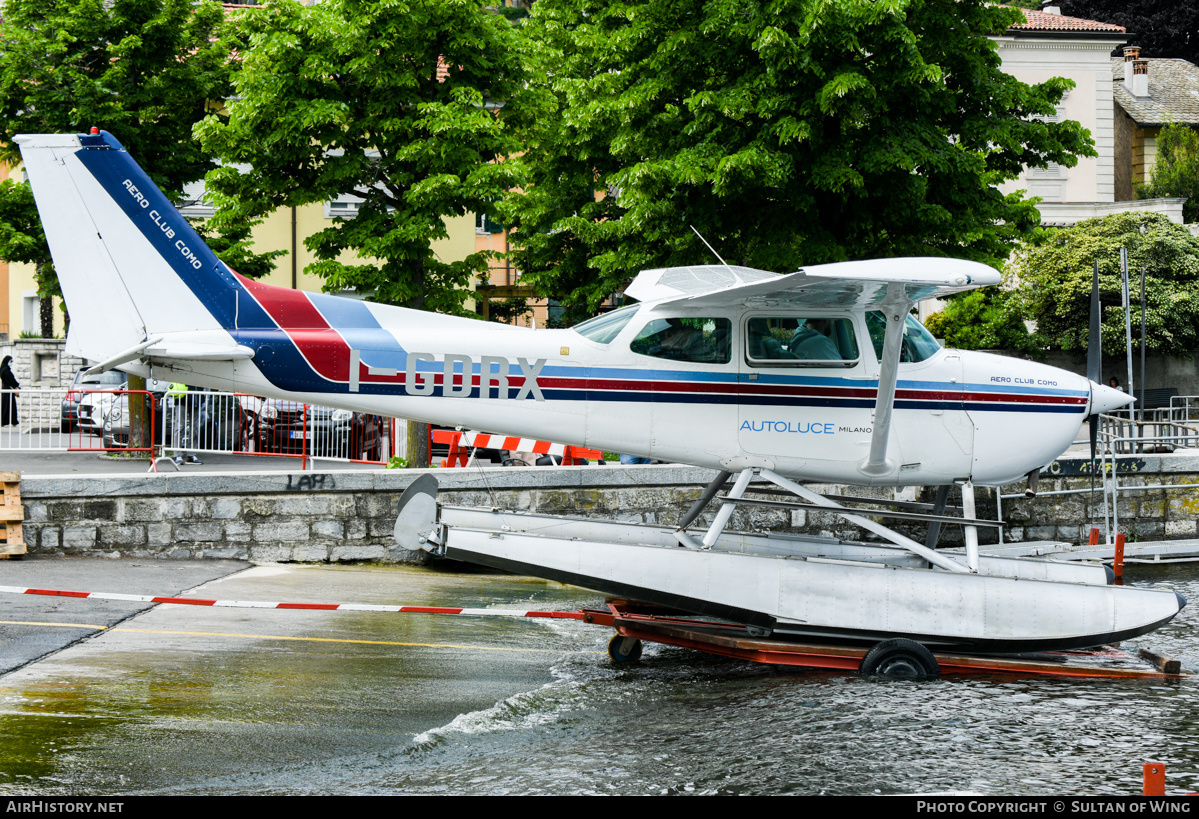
868 283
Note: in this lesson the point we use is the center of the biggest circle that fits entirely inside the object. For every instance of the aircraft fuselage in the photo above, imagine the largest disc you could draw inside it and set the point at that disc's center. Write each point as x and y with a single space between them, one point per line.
958 414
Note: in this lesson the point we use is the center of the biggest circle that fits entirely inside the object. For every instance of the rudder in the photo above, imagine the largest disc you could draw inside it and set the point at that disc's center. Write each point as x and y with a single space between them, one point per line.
128 263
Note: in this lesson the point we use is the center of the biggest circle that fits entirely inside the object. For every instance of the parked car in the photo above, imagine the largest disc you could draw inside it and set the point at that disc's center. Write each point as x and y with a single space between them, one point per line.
285 426
219 421
69 414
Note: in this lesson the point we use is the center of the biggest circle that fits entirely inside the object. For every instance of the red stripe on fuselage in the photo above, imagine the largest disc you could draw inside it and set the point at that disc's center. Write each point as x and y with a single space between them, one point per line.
322 346
620 385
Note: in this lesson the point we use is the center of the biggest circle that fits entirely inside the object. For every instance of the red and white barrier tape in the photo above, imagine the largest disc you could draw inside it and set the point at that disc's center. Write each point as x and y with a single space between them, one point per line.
486 440
259 604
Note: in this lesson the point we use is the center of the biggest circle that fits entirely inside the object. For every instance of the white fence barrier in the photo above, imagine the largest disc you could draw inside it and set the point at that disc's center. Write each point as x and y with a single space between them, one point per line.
193 422
53 418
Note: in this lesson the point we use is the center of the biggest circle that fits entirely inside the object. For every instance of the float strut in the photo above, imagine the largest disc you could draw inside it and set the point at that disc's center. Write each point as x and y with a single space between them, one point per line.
726 510
934 528
709 492
971 532
935 558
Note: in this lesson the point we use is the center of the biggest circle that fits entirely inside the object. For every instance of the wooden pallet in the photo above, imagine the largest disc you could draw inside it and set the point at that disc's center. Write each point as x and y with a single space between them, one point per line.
12 513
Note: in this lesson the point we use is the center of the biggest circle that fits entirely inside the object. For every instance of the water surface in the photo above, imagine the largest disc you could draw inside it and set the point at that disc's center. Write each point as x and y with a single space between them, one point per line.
490 706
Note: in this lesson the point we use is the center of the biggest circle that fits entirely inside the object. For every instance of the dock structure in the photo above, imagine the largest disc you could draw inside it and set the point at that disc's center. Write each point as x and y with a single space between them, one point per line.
1151 552
12 516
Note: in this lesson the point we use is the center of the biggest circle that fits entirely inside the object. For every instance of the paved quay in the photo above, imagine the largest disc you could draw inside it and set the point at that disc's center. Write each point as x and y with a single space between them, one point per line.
36 626
121 699
39 462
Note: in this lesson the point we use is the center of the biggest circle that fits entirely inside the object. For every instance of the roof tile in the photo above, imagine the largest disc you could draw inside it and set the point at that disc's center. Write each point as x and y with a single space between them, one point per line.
1173 92
1044 21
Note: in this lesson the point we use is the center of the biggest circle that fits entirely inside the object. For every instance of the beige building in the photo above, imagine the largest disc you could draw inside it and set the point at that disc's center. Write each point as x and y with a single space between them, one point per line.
1047 45
1149 93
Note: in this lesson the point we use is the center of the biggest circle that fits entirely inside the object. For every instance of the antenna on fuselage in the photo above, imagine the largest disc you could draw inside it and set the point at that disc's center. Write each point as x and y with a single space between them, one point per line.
705 241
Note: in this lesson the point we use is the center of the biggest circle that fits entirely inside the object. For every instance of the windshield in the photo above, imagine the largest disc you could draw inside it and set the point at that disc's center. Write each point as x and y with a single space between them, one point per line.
606 326
918 343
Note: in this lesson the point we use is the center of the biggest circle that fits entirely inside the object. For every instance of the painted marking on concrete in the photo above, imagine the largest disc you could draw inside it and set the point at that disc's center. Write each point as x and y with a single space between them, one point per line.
56 625
290 637
260 604
345 640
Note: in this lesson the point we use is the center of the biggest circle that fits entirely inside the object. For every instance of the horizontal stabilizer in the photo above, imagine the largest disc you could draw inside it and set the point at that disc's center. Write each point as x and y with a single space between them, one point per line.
184 351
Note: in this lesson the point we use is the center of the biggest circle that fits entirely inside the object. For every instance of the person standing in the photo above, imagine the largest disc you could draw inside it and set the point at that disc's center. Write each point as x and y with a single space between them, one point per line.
181 422
8 394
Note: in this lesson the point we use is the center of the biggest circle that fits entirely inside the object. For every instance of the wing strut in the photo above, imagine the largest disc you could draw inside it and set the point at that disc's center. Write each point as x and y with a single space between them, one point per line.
895 308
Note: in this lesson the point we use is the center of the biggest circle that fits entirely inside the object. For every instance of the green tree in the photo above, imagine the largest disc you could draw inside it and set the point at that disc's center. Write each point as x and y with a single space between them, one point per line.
788 132
988 319
399 104
1055 283
395 103
22 240
1176 170
146 70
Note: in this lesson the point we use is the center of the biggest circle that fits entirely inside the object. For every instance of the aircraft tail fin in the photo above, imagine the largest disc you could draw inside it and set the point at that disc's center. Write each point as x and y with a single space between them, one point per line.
129 265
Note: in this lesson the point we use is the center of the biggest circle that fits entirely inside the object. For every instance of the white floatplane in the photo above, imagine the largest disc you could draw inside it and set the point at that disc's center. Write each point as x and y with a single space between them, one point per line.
818 375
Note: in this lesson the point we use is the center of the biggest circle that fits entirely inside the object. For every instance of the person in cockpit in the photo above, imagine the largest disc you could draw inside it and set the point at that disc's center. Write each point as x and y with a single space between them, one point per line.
813 343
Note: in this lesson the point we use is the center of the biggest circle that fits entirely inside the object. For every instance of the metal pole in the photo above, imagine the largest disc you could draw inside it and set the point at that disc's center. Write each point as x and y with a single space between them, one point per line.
1127 319
1142 342
971 532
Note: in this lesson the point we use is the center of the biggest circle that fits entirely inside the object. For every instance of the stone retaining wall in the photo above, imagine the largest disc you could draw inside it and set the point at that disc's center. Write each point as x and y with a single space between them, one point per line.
348 516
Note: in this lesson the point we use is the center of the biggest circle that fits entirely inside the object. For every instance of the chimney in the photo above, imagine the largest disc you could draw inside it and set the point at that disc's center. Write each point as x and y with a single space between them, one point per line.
1130 53
1052 10
1140 78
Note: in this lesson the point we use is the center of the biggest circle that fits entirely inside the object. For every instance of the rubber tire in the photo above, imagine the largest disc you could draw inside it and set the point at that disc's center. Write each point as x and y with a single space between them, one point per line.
624 650
900 659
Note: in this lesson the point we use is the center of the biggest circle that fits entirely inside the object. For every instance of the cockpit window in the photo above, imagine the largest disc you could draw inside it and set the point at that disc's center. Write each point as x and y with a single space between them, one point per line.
606 326
801 341
702 340
918 343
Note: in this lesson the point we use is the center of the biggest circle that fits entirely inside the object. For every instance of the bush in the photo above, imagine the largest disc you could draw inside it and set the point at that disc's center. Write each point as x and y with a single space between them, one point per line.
987 319
1055 283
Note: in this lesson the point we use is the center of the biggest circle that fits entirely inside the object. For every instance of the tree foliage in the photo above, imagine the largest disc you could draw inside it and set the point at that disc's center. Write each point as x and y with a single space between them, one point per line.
143 69
346 97
1176 169
991 318
1163 28
1055 283
22 240
786 131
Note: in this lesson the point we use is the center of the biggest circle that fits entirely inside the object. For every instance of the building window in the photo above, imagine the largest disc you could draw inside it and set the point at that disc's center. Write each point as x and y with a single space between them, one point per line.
345 206
485 224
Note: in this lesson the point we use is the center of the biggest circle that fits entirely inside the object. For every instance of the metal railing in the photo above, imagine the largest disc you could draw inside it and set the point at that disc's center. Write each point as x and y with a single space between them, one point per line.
56 419
1184 409
226 422
1119 435
1159 430
63 419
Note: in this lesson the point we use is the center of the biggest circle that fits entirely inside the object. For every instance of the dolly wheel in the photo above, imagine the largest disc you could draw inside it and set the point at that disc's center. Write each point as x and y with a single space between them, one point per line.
624 649
900 659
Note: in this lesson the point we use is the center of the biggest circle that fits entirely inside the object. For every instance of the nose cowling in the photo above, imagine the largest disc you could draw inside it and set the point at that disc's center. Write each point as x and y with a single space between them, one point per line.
1106 399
